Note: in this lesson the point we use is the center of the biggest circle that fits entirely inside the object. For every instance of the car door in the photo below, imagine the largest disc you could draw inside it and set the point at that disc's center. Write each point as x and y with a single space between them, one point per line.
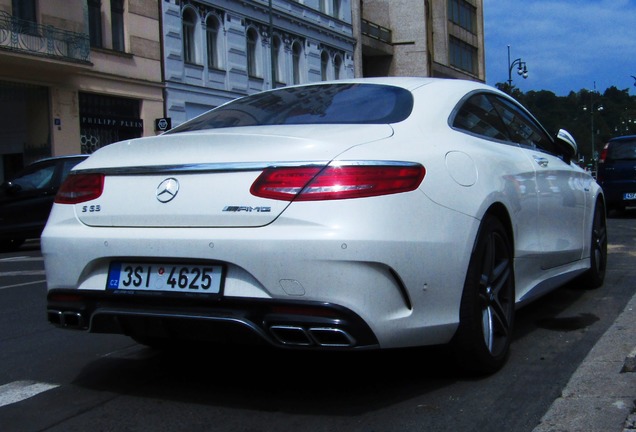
27 199
560 188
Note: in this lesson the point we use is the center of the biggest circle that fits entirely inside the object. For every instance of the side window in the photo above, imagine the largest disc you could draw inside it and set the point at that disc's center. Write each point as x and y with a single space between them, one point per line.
37 177
477 115
522 128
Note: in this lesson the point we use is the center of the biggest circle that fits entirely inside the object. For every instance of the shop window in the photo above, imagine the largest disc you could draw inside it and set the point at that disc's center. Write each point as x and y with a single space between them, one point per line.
100 127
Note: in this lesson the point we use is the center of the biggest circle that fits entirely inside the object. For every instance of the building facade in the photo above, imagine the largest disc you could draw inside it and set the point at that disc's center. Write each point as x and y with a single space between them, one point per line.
438 38
76 75
216 51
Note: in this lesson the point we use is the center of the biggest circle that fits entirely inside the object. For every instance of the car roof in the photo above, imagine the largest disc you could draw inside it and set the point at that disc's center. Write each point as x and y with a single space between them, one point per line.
623 138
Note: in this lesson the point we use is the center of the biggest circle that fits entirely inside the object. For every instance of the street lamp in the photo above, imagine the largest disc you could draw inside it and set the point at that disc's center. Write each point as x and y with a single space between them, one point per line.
522 68
594 107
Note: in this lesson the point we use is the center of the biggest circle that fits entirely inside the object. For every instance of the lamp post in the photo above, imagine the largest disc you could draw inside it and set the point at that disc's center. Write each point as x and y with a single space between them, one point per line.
594 107
522 68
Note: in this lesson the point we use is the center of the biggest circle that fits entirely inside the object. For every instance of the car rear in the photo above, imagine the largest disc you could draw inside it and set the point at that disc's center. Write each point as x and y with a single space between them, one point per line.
617 172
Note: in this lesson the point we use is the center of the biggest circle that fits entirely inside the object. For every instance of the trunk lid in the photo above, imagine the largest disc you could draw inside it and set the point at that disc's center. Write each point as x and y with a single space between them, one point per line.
203 179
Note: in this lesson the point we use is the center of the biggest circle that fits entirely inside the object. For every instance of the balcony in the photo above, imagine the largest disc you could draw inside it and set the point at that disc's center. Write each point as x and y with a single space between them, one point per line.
27 37
376 32
376 40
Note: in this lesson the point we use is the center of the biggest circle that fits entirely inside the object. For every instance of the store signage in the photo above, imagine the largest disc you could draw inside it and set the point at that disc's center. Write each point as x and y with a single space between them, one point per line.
111 122
163 124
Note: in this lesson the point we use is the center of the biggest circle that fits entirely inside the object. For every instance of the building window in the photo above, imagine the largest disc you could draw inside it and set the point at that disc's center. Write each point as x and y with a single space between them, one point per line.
117 24
463 14
213 42
330 7
278 58
463 56
24 10
337 67
324 66
95 23
297 51
252 53
189 41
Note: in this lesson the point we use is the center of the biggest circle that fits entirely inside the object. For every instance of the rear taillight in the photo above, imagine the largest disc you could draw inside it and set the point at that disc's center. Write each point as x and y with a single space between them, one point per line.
79 188
603 156
337 182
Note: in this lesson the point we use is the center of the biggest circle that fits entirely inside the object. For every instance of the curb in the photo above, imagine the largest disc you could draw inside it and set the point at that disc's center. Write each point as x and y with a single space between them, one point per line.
601 394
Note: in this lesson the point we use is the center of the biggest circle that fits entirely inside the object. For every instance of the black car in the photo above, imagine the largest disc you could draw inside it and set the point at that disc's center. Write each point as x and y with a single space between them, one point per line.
617 172
27 198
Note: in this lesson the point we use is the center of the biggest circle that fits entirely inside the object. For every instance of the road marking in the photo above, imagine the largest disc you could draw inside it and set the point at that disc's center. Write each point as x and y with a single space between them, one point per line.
20 390
23 284
22 258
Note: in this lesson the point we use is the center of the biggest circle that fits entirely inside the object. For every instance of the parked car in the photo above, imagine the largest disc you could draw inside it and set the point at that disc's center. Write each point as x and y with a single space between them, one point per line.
617 172
26 199
361 214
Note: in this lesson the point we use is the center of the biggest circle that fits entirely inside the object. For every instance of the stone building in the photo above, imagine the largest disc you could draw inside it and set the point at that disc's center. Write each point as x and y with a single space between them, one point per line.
76 75
216 51
439 38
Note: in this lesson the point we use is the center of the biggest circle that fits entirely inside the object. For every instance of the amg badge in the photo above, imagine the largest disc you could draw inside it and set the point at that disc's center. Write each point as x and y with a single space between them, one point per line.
247 209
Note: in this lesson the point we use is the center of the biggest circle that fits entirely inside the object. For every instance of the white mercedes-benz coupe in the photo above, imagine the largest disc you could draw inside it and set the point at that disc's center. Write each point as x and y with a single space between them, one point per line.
343 215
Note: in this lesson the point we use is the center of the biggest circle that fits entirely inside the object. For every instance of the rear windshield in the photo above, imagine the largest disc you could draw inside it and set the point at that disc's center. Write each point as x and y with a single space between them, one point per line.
621 150
317 104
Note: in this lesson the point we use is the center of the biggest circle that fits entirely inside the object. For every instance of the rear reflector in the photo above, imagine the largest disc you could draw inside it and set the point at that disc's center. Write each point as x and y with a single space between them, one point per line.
336 182
78 188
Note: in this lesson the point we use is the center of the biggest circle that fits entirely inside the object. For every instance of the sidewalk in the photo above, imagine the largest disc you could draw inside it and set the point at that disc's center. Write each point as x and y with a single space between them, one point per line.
601 395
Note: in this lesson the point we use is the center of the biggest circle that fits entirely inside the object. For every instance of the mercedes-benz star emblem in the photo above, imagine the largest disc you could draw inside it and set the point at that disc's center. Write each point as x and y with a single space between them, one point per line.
167 190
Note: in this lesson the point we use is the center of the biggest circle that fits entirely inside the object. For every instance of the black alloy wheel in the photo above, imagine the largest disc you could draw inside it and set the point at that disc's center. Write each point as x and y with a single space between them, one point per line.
483 338
595 276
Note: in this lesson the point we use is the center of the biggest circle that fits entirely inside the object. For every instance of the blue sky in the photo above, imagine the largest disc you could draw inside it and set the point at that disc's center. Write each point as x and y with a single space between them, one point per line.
566 44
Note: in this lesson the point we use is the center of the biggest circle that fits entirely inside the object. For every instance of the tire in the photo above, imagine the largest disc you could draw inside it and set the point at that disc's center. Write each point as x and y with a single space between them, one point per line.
594 277
483 338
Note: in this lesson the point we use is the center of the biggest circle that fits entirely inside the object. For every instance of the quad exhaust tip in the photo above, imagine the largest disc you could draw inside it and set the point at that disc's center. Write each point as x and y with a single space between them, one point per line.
312 336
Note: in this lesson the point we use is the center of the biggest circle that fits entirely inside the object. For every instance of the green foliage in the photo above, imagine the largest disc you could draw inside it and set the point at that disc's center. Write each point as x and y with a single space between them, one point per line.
585 114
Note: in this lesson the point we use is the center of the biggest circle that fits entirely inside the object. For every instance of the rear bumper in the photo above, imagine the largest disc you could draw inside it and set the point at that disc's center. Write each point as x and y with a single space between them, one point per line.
291 324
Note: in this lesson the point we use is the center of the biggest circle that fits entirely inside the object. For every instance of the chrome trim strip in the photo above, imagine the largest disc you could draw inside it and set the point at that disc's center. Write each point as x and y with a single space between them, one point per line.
233 167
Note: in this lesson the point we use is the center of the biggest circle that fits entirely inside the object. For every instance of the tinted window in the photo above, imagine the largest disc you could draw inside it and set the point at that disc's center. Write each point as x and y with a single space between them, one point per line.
478 115
621 150
318 104
522 128
35 177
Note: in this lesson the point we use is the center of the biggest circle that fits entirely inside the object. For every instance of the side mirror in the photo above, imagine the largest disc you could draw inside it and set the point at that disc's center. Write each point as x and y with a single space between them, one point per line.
570 149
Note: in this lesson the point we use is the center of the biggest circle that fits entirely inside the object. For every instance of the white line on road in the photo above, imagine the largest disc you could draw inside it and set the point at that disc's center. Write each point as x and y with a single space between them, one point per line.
23 284
22 258
20 390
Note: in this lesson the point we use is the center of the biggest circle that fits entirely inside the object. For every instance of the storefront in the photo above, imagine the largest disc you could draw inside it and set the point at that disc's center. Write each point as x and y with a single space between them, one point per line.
108 119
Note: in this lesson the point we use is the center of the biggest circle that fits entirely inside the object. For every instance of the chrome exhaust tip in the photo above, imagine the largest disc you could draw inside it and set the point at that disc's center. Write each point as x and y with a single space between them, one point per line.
331 337
291 335
66 319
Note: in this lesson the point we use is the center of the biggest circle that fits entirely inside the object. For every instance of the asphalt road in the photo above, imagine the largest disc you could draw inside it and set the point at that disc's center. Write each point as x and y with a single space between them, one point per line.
60 380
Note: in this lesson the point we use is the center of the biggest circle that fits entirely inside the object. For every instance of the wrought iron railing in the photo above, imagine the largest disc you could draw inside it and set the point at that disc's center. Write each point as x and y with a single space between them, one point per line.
376 31
28 37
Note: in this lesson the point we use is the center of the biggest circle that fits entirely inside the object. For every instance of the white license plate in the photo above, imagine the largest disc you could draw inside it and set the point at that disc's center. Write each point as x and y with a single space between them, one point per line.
191 278
629 196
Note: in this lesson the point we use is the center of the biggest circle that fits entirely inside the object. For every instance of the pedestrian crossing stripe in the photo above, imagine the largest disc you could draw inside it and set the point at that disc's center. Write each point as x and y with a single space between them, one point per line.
20 390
